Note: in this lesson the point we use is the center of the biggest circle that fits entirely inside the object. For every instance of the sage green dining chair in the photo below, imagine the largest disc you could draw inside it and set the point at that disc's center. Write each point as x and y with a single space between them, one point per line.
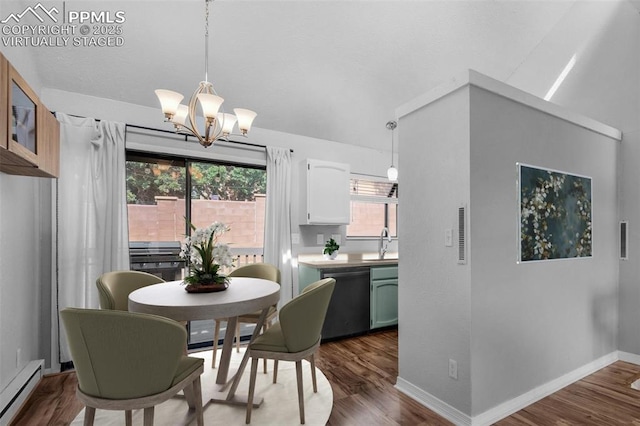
265 271
128 361
296 336
114 287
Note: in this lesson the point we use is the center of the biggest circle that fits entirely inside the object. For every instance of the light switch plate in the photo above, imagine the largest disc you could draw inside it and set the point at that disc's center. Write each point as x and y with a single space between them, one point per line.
320 239
448 237
336 237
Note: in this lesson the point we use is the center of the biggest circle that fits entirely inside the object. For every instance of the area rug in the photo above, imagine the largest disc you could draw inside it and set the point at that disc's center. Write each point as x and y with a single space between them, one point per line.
280 405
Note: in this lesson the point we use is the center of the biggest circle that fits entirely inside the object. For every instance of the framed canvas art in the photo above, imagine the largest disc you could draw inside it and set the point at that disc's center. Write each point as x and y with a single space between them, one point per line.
555 214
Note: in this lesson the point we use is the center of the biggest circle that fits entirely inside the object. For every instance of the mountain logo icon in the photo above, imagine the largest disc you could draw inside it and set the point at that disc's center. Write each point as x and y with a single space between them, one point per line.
38 11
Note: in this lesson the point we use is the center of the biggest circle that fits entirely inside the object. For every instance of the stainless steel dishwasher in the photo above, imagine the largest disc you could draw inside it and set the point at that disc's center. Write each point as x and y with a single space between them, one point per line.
348 312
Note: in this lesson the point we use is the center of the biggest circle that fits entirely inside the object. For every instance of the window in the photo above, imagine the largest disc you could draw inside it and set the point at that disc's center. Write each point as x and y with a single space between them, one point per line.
163 191
374 205
156 190
161 194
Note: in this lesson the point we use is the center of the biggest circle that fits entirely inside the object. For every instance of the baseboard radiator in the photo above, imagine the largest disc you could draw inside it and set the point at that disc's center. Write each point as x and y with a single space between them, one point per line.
17 392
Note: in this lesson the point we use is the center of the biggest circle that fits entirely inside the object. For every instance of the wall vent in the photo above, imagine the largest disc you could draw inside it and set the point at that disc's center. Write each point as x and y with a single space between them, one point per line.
462 235
624 238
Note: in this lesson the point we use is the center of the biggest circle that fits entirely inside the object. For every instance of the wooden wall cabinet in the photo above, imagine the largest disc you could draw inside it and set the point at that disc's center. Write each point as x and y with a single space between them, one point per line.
29 133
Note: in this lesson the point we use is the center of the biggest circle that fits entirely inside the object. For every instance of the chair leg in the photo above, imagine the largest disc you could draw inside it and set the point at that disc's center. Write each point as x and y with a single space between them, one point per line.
148 416
197 395
216 337
264 368
252 387
313 373
238 336
128 418
275 370
89 415
189 395
300 390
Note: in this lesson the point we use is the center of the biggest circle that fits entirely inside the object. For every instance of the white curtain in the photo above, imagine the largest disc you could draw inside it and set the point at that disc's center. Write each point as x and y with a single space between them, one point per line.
277 229
92 232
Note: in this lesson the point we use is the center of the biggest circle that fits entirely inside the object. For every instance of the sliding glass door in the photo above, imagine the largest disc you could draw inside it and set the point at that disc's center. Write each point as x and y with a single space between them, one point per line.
165 192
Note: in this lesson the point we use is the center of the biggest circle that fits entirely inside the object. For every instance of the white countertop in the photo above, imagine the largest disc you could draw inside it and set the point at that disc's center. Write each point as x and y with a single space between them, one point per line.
348 260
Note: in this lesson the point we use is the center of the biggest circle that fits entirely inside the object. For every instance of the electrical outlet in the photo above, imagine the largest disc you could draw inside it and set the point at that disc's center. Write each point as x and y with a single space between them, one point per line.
453 369
336 237
320 239
295 238
18 357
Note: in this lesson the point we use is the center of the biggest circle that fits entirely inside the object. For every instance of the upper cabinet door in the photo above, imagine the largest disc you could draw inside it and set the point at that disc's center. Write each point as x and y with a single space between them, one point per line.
23 119
325 195
29 133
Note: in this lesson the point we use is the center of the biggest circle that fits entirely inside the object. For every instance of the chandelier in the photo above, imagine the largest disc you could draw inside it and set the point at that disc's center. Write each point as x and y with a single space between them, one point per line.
218 125
392 172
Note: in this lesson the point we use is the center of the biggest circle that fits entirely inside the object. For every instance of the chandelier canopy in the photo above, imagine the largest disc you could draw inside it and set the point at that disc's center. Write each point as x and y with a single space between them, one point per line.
218 125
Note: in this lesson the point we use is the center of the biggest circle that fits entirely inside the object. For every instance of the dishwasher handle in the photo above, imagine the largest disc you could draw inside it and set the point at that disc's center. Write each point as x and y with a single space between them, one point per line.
346 274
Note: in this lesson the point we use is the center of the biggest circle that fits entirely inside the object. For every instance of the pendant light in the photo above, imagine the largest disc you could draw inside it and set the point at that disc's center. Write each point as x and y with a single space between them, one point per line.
392 172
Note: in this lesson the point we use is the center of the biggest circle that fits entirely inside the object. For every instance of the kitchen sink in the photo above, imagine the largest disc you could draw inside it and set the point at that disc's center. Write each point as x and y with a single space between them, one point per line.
390 259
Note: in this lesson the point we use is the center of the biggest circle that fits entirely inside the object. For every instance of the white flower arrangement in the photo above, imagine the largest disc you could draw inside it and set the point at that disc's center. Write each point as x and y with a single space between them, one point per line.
206 255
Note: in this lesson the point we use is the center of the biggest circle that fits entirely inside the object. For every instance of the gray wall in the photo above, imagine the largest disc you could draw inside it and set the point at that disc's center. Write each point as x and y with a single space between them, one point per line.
535 321
604 84
25 260
434 291
511 327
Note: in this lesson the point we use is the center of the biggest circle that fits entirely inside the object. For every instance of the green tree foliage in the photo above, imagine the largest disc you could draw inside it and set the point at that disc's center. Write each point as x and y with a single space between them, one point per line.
211 181
145 181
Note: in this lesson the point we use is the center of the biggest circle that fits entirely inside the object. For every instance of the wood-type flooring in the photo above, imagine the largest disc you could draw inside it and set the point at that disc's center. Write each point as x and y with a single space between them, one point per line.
362 372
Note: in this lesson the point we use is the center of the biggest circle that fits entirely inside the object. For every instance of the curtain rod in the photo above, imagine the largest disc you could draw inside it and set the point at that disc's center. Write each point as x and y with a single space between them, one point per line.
135 126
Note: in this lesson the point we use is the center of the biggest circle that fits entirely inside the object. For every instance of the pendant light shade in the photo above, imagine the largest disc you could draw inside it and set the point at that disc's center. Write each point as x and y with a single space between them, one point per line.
392 174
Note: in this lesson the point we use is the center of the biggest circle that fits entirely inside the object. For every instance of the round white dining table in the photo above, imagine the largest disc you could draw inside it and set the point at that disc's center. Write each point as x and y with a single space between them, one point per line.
243 296
170 299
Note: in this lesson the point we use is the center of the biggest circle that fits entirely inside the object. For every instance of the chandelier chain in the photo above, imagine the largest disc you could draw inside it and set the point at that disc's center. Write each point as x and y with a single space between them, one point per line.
206 40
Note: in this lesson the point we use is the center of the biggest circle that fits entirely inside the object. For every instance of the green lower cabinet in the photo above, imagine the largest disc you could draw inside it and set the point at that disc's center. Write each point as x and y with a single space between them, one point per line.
384 296
307 276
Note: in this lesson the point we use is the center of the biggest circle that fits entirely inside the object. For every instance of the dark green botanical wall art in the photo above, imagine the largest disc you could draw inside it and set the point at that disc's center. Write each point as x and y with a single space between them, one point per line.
555 214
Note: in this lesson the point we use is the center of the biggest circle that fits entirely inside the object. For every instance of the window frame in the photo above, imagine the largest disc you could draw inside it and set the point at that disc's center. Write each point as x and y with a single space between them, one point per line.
391 199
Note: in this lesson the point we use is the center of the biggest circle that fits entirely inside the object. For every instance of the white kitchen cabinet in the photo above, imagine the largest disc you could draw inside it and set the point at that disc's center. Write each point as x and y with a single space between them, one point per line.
325 193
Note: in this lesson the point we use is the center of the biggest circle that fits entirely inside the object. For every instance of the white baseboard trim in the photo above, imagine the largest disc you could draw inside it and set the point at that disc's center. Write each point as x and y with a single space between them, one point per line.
17 392
440 407
513 405
629 357
516 404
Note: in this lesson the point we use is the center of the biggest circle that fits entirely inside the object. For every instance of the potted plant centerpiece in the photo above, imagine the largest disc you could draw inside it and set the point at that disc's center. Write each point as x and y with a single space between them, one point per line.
331 249
205 256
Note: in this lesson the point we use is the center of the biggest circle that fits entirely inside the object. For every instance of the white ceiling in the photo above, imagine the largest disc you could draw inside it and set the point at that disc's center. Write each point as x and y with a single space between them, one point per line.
333 70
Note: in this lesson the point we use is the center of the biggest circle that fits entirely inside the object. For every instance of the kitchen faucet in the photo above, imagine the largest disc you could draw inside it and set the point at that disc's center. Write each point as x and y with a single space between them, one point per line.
382 246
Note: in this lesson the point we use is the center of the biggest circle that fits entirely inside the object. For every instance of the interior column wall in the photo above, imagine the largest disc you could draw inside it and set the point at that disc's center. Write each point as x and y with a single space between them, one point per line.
533 322
434 290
